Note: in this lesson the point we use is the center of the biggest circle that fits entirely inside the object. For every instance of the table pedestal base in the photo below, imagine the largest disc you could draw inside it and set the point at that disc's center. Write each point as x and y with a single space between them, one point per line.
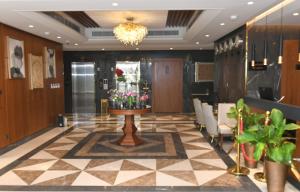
129 138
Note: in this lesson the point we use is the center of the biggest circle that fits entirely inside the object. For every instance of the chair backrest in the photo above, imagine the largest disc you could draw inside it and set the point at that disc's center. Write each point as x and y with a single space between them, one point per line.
199 112
223 109
211 122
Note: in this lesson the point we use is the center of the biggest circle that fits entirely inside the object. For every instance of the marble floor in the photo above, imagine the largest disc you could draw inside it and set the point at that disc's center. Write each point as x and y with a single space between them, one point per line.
84 156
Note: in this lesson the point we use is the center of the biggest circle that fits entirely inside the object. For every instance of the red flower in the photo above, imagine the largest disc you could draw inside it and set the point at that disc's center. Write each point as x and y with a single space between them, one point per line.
119 72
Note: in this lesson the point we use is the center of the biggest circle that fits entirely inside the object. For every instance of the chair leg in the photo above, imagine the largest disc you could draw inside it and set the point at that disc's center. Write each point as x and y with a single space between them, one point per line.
221 140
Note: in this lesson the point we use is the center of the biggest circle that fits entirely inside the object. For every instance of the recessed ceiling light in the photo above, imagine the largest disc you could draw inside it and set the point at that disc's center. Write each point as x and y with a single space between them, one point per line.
58 37
207 35
197 42
102 49
233 17
76 44
222 24
137 48
296 14
200 48
171 48
31 26
115 4
250 3
47 33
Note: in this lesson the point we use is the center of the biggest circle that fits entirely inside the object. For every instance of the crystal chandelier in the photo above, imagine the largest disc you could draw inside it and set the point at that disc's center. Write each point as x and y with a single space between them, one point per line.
130 33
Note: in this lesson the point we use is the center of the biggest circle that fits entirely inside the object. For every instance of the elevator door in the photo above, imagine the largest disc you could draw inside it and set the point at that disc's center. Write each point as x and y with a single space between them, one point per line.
83 87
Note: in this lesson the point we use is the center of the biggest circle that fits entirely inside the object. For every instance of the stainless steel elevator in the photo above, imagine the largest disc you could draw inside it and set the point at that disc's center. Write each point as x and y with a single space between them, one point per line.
83 87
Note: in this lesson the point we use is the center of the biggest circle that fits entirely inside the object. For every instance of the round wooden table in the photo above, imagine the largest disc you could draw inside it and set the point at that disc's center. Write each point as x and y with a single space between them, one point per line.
129 138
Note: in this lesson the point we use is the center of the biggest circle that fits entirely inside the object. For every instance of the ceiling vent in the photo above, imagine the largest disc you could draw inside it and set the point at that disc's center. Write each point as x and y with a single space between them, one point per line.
151 33
63 20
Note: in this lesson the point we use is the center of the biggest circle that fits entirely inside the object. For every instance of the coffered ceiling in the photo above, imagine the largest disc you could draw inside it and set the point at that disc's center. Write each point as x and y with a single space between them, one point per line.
88 25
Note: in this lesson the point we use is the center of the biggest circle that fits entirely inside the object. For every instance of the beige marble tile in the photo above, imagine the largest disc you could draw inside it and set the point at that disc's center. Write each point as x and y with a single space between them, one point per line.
10 178
86 179
163 179
107 176
206 176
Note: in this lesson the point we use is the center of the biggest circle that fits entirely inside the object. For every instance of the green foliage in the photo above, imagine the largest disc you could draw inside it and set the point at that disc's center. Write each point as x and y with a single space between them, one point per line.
250 118
269 138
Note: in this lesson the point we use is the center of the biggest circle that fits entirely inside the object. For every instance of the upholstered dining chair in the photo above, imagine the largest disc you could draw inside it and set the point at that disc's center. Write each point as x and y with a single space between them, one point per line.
225 124
200 120
211 122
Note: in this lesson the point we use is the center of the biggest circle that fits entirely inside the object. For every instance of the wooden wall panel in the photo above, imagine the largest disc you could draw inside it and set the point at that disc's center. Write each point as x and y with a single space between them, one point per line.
27 111
167 93
290 77
290 80
4 140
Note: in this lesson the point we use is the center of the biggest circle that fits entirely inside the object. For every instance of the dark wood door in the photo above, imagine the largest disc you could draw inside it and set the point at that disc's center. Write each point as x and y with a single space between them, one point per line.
167 95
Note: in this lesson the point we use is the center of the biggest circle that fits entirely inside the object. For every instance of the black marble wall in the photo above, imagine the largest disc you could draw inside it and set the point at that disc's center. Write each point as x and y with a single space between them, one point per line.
271 75
106 61
230 67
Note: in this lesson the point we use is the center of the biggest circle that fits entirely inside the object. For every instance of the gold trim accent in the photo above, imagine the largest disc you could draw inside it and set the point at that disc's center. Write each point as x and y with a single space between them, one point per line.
269 11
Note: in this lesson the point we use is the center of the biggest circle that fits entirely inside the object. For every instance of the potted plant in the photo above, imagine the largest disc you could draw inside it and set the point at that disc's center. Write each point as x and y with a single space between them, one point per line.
269 140
249 119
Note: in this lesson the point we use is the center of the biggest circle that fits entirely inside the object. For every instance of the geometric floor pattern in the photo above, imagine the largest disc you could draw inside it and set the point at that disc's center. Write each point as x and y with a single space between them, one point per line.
71 161
99 145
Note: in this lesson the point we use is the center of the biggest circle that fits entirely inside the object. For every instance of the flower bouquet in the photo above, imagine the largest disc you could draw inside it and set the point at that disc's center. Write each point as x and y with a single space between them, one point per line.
143 100
120 75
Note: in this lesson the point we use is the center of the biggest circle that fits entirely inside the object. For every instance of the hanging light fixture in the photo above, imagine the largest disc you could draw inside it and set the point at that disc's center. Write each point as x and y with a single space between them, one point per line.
130 33
265 61
253 55
280 58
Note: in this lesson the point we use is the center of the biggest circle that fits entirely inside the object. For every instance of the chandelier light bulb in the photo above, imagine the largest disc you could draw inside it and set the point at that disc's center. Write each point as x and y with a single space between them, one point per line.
130 33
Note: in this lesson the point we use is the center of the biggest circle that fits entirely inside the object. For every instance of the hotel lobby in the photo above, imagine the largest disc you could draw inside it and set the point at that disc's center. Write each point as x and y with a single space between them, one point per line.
194 95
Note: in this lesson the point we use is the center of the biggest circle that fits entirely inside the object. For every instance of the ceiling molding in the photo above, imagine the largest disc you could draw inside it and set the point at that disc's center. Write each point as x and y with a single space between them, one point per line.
82 18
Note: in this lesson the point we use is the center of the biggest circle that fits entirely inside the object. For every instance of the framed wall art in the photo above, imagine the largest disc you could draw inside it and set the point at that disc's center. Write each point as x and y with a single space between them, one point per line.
36 72
50 64
15 55
204 72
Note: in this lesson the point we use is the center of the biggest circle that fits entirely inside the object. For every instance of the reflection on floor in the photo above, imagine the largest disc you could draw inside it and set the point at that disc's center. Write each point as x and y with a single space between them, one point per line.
175 157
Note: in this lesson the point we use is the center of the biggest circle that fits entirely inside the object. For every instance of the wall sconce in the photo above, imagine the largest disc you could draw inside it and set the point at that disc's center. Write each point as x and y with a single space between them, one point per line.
280 58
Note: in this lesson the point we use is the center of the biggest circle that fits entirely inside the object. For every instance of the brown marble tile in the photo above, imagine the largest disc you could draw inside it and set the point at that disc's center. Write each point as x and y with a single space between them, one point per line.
30 162
162 163
77 139
97 162
208 155
107 176
183 175
202 166
128 165
28 176
61 165
193 147
145 180
224 180
61 181
57 153
53 145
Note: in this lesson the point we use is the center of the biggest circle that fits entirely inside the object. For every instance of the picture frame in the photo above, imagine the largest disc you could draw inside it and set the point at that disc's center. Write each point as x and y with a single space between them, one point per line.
36 80
16 61
204 71
50 62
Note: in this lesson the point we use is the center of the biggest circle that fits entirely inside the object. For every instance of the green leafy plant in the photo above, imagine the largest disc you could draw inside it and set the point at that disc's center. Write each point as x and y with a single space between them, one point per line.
250 118
269 139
